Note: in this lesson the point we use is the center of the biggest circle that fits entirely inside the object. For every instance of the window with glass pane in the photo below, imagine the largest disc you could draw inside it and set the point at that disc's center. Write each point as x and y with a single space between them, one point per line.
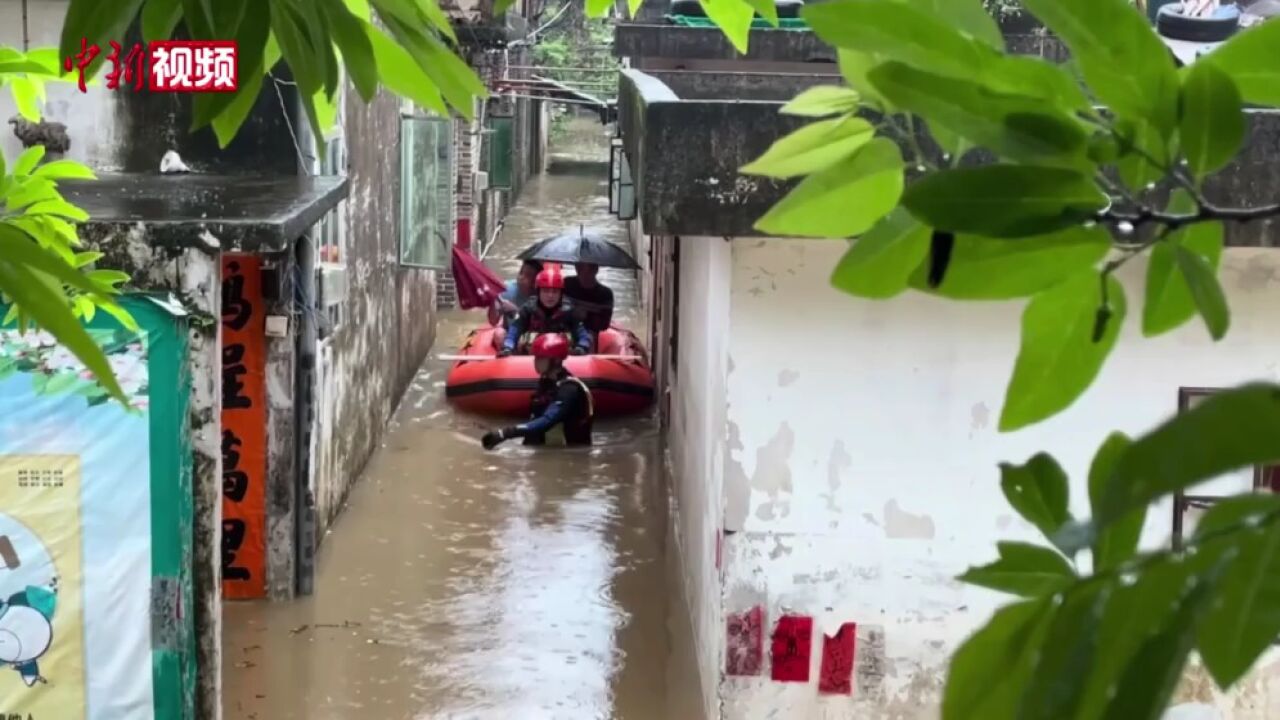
426 187
499 142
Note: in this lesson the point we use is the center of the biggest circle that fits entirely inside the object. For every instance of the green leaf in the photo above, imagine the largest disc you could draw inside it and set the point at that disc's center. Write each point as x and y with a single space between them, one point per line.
26 97
64 170
1140 145
357 51
226 125
434 14
843 200
250 21
987 269
766 9
1004 201
854 66
1069 650
733 17
1012 127
1205 290
1116 544
98 23
814 147
897 31
968 16
1234 513
633 6
51 312
60 208
402 75
1059 356
360 8
1038 491
455 79
1212 127
159 18
990 671
1023 569
1036 78
1136 610
1228 431
1122 59
28 160
1169 301
879 263
1249 58
1144 690
17 249
821 101
598 8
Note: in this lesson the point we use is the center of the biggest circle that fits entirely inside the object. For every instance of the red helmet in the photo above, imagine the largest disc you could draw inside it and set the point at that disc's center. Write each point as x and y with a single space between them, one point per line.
553 346
550 278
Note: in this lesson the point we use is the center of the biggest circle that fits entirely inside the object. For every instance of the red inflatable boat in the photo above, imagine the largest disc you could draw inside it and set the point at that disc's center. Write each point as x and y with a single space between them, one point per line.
504 386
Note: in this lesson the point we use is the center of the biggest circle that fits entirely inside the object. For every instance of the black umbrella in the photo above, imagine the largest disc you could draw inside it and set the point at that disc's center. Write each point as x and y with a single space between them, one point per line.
580 247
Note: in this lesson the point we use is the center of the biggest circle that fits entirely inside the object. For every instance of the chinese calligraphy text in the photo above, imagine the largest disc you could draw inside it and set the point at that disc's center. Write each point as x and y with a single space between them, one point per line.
164 66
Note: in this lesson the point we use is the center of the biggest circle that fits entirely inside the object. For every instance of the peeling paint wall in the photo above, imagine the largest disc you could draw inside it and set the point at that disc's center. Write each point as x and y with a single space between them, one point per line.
389 317
862 453
698 441
90 117
196 278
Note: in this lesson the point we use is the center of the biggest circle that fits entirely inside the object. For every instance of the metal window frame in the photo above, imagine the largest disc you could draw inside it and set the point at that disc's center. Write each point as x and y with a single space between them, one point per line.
446 238
491 131
1182 501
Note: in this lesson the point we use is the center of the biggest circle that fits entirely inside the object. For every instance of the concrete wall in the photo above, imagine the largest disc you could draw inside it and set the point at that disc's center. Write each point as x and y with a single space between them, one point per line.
860 471
90 117
194 276
129 131
698 441
389 316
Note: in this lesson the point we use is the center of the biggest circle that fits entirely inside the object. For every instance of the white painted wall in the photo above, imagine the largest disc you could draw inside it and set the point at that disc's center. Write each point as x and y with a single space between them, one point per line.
862 452
697 443
89 117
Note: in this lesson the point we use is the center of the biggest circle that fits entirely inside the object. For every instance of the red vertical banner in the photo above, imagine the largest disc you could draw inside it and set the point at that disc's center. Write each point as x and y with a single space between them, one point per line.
744 646
835 676
791 648
244 429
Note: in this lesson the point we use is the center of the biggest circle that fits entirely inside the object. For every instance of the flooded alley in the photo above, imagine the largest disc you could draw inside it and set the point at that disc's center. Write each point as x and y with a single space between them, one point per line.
463 584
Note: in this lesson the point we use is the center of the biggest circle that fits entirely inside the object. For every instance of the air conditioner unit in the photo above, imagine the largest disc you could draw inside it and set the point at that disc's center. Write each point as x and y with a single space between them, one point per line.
333 284
480 182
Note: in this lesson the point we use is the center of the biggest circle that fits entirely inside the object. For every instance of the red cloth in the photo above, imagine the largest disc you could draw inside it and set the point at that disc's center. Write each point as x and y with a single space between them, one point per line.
477 286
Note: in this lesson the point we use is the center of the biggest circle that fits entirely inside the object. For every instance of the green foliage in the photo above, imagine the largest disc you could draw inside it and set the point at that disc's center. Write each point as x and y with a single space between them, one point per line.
1065 196
44 277
316 39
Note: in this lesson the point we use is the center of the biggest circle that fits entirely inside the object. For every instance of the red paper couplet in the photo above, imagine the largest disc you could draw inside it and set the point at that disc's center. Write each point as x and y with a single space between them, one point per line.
744 651
791 647
836 674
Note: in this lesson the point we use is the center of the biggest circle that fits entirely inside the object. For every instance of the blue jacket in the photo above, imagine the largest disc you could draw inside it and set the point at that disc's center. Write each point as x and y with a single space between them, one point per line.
534 318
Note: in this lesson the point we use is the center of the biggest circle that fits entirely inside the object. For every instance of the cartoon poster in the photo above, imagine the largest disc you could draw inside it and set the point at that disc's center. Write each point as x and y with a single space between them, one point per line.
81 559
40 585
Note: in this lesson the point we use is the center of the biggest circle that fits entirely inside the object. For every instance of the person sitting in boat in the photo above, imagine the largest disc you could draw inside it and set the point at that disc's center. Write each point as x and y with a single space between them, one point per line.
507 306
592 300
561 400
549 312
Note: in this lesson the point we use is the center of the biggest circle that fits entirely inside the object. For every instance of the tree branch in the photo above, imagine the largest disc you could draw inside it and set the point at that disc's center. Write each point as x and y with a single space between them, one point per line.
1208 212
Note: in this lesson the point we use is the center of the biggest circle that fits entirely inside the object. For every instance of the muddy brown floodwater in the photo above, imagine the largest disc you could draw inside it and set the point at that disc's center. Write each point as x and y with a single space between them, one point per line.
520 584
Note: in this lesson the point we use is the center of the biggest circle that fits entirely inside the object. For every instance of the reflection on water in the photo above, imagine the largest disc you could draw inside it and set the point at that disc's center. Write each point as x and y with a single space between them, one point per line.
457 583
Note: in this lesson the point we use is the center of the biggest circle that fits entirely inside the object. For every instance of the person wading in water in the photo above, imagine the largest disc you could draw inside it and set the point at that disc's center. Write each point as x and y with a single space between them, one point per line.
561 401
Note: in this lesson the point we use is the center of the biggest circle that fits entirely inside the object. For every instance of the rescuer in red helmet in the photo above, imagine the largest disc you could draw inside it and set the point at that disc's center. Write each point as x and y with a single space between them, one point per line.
549 312
560 400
